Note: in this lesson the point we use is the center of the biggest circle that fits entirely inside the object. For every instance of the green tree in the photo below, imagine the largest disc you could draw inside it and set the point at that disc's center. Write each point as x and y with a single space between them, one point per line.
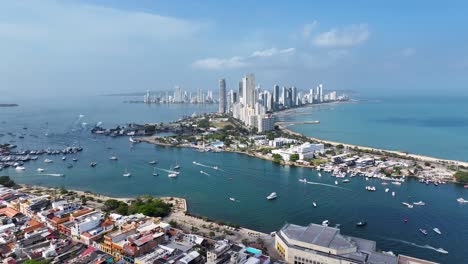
277 158
6 181
461 176
294 157
111 204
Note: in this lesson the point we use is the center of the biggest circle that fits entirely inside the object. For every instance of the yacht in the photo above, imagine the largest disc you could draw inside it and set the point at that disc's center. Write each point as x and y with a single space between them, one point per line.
407 205
303 180
272 196
152 162
127 174
345 181
420 203
48 161
172 175
361 223
20 168
177 166
461 200
314 204
325 223
40 170
64 157
423 231
155 173
113 158
75 159
437 230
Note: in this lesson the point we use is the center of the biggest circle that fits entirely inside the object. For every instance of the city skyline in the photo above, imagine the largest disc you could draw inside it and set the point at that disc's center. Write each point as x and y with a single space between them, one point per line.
101 47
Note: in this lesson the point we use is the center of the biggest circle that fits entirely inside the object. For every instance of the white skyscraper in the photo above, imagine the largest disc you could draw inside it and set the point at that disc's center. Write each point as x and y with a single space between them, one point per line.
248 90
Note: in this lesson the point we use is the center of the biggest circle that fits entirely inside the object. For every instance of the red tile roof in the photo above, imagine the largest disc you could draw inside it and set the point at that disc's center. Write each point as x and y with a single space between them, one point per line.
9 212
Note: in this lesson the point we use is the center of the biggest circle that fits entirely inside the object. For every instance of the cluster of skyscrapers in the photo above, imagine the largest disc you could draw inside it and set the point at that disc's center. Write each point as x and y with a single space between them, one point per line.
253 105
179 96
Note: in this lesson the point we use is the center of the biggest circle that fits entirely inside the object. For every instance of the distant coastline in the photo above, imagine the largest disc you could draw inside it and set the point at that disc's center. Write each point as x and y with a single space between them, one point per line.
9 105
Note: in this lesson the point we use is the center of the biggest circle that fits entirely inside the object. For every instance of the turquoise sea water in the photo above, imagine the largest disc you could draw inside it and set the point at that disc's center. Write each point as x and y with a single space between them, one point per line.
247 179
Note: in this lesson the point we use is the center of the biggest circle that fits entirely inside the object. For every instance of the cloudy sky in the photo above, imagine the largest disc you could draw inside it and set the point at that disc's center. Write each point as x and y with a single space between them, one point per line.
103 46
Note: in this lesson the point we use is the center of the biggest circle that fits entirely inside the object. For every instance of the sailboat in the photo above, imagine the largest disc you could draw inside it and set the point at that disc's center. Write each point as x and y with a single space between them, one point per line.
113 158
155 173
127 174
177 166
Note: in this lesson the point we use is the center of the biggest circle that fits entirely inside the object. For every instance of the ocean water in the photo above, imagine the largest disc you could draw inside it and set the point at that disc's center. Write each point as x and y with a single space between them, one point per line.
432 126
247 179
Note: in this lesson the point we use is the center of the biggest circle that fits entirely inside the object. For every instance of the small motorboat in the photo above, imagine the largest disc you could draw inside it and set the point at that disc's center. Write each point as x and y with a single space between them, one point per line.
423 231
93 164
272 196
407 205
345 181
336 182
361 223
75 159
326 223
437 230
48 161
64 157
320 174
420 203
155 173
232 199
40 169
113 158
152 162
20 168
303 180
177 166
172 175
314 204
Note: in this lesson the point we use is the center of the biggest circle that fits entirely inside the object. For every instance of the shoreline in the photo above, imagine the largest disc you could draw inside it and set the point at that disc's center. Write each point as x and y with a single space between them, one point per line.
403 155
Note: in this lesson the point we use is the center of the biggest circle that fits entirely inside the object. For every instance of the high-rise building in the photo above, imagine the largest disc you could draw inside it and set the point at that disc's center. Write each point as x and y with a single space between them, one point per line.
293 96
239 93
276 96
248 90
284 95
222 96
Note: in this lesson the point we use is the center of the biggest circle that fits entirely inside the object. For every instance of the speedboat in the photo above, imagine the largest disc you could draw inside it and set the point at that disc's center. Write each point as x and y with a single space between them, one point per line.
461 200
132 140
172 175
303 180
423 231
177 166
40 170
320 174
20 168
93 164
420 203
407 205
48 161
155 173
336 182
272 196
345 181
314 204
113 158
325 223
232 199
386 190
215 168
152 162
64 157
437 230
361 223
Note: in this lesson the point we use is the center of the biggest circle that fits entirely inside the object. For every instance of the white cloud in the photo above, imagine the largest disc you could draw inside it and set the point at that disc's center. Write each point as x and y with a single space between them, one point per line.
308 29
408 52
345 37
240 61
217 63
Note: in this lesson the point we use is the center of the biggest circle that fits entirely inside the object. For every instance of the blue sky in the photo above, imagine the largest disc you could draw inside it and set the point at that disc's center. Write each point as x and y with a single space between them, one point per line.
95 47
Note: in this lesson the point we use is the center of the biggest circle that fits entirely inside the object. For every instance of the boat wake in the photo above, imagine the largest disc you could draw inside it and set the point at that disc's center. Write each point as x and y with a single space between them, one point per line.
207 174
168 171
328 185
53 174
440 250
206 166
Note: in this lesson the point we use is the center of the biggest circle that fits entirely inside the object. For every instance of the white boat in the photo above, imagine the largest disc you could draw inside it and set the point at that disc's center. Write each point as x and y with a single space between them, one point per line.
320 174
132 140
314 204
437 230
152 162
64 157
396 183
325 223
56 174
420 203
393 194
75 159
177 166
272 196
461 200
336 182
127 174
20 168
407 205
303 180
371 188
232 199
113 158
155 173
40 170
345 181
215 168
48 161
172 175
386 190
